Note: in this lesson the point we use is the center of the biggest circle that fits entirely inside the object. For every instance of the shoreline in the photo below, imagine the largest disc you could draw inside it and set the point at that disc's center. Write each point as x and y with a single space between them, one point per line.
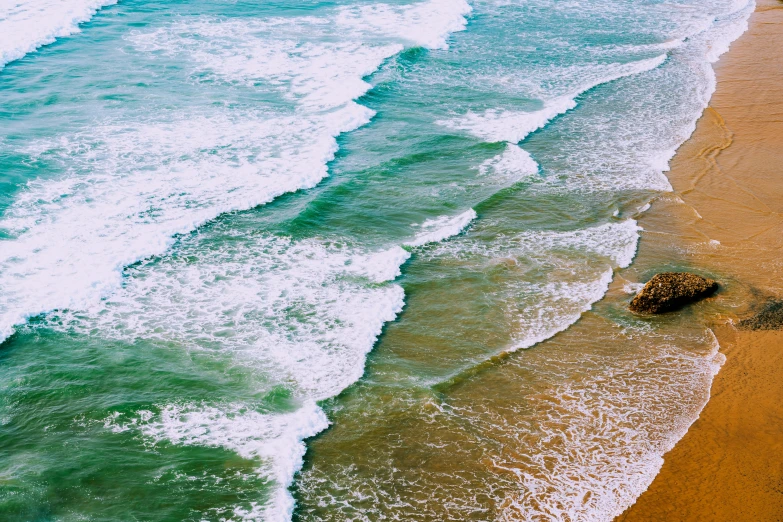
725 217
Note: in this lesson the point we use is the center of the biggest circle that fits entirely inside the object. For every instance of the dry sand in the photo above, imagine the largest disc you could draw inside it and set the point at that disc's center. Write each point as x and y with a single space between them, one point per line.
728 187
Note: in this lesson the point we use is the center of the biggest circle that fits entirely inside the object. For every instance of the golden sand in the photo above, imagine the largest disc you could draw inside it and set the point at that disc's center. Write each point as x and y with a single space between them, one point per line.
728 187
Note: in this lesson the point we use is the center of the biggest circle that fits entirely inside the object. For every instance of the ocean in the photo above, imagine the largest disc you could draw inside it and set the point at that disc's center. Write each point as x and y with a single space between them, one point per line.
342 260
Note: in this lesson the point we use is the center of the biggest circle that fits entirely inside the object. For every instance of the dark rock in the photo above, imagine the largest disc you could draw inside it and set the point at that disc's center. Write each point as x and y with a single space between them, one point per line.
769 318
671 290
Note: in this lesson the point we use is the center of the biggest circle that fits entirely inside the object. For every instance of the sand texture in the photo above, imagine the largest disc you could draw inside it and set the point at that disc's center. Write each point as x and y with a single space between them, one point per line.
725 218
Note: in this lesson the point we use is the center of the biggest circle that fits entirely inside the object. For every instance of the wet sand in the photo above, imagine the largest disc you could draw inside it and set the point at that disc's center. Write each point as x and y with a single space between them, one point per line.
728 187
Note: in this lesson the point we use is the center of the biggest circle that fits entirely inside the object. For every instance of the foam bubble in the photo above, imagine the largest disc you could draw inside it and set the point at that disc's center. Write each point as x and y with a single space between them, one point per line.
26 25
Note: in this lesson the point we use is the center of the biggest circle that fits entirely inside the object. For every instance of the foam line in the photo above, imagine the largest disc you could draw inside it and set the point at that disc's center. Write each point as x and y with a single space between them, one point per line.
498 125
558 303
274 440
563 303
438 229
26 25
74 236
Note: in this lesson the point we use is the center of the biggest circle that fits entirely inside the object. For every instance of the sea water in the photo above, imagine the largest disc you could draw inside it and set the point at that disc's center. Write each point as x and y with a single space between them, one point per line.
327 260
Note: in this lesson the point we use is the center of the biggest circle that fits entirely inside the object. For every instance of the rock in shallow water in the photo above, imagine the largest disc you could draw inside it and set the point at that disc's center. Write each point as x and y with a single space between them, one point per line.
671 290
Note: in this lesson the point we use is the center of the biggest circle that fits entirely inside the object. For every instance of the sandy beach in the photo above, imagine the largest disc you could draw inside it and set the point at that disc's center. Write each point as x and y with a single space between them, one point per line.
725 219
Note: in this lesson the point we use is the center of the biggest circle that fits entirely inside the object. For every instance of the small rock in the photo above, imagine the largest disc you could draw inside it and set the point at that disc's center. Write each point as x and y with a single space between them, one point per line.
671 290
769 318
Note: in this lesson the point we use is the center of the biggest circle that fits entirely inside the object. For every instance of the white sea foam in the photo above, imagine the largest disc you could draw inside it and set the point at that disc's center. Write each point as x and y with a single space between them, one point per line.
580 434
318 74
496 125
302 314
599 437
306 312
26 25
561 302
705 46
628 139
427 24
730 27
572 269
514 164
632 288
151 181
619 424
438 229
614 241
605 462
381 266
273 440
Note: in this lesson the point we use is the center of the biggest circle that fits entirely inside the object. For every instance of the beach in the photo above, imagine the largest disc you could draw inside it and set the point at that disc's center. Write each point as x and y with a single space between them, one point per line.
724 217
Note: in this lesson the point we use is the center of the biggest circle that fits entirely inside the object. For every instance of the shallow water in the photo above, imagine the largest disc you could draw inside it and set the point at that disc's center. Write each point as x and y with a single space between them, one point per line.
227 227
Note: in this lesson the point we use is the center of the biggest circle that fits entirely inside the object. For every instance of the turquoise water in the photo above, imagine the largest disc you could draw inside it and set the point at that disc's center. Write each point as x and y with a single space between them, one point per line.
275 261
